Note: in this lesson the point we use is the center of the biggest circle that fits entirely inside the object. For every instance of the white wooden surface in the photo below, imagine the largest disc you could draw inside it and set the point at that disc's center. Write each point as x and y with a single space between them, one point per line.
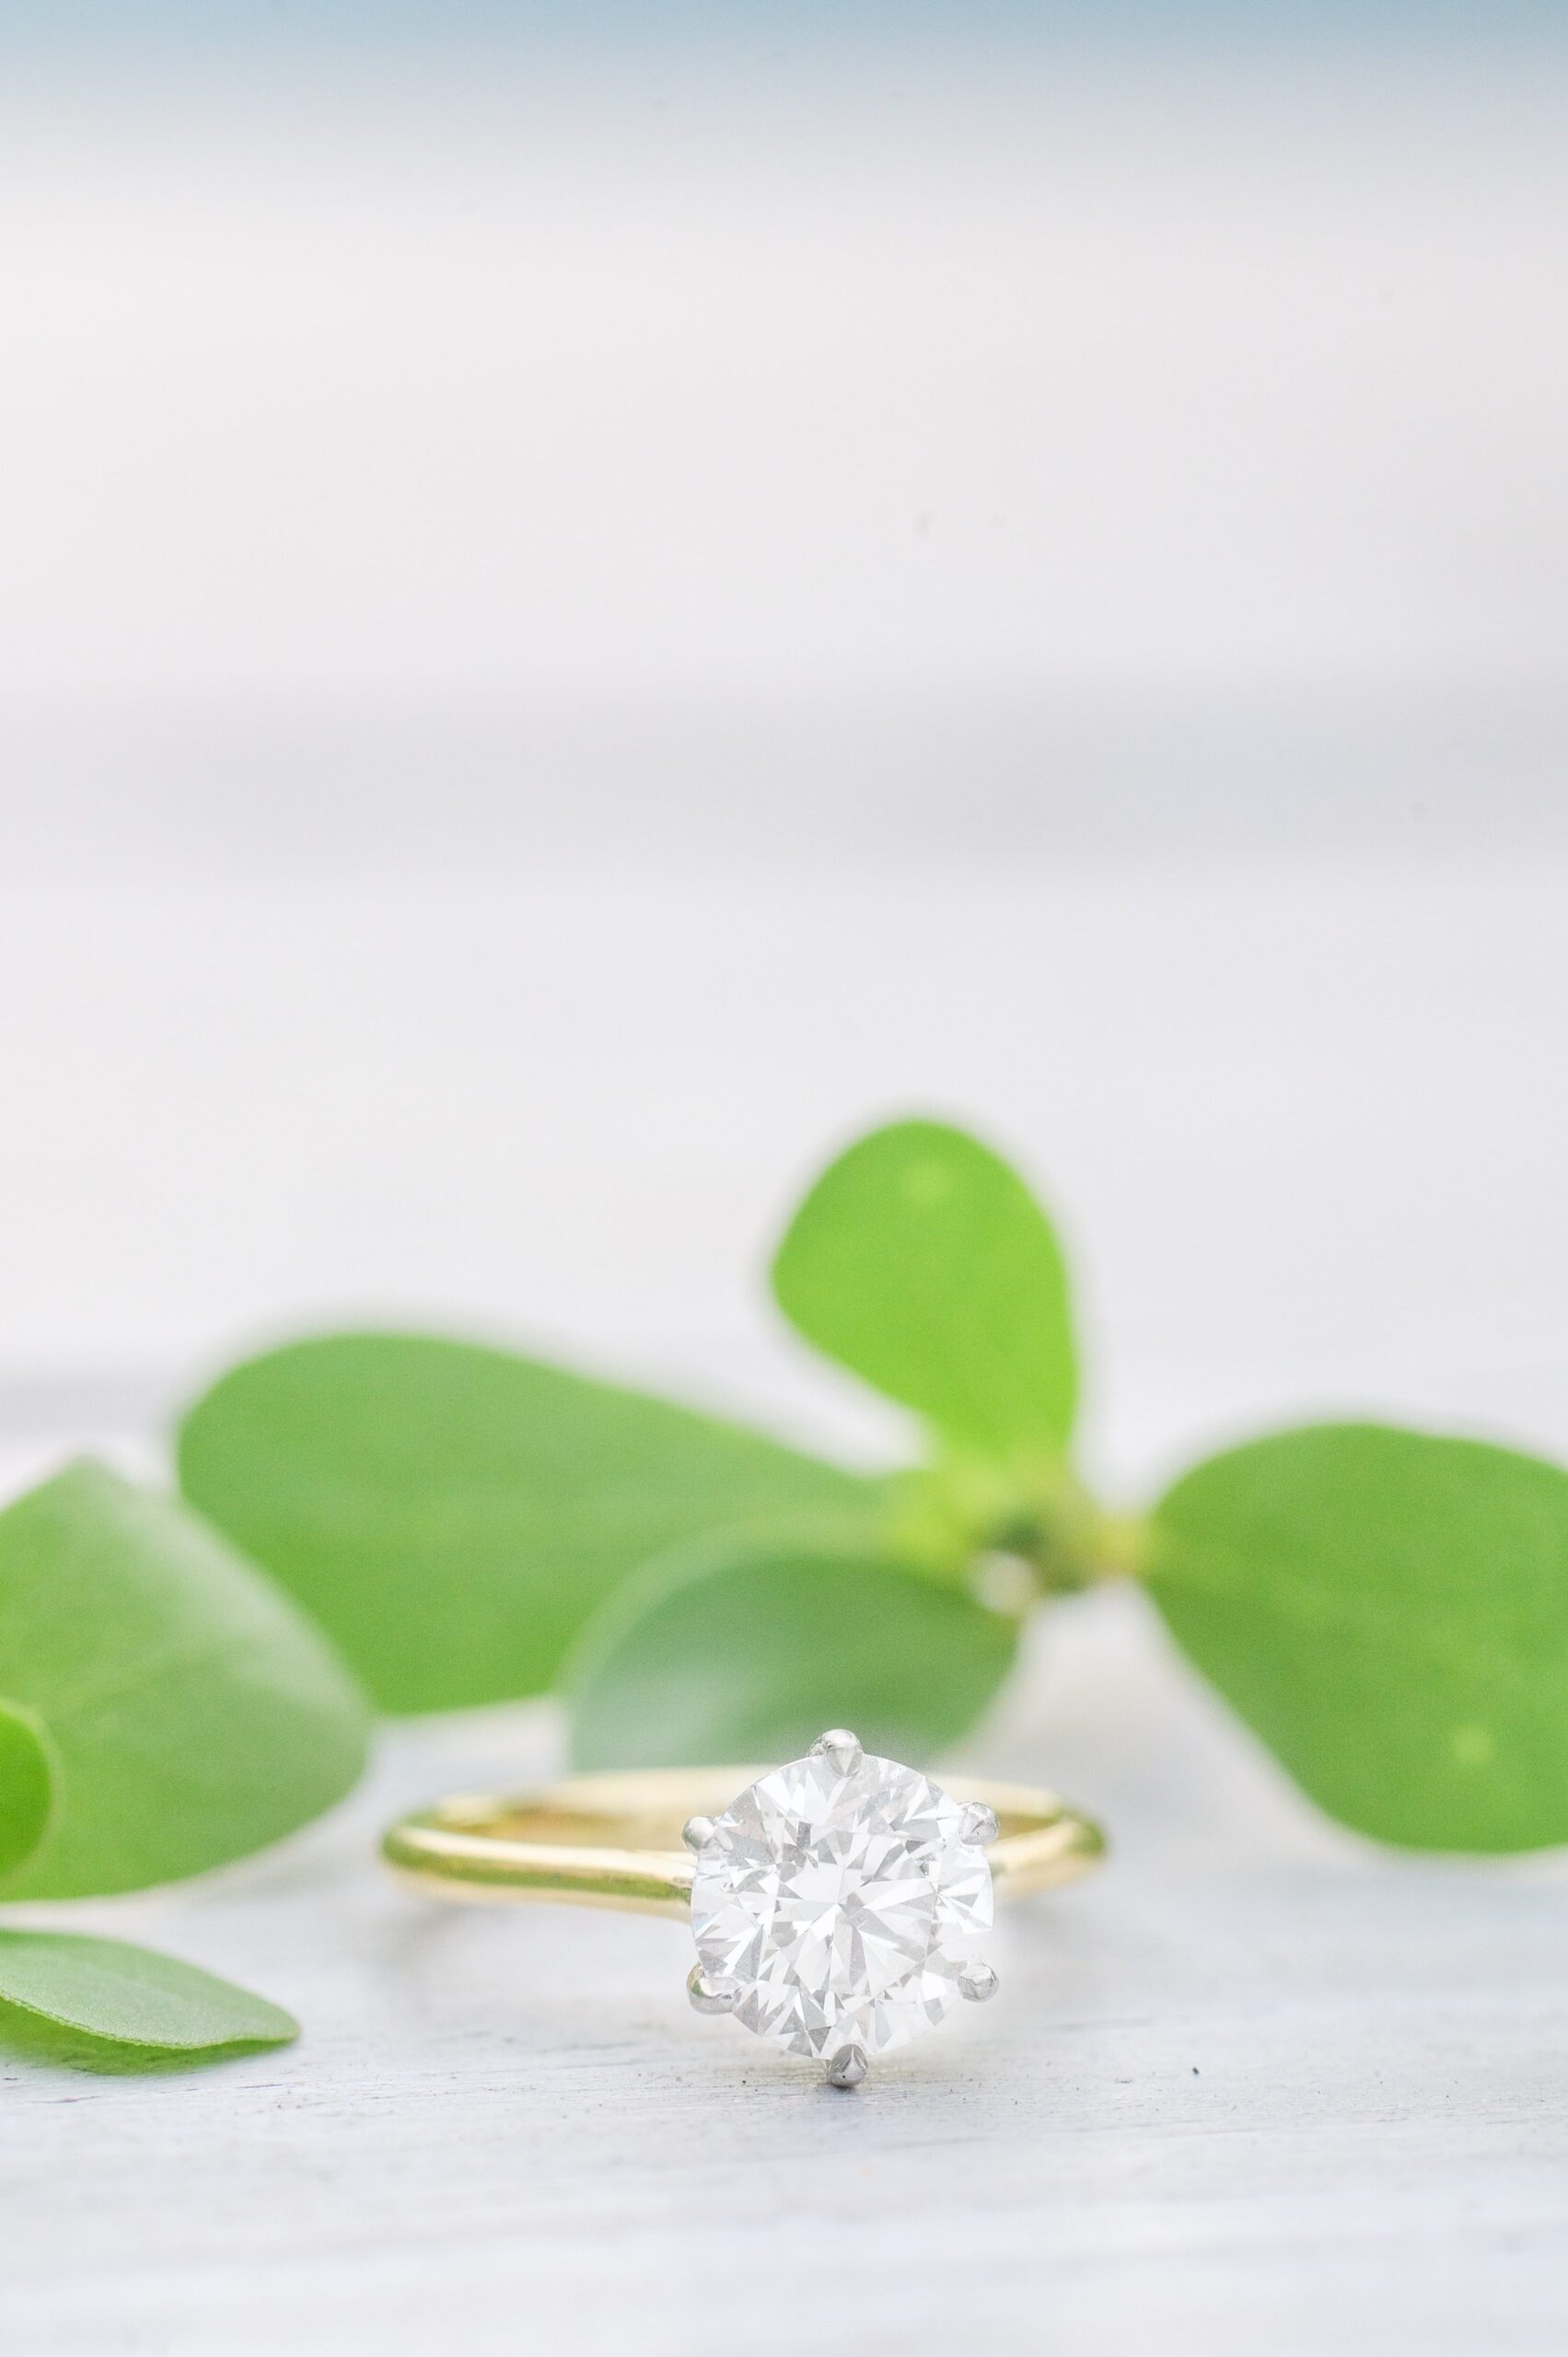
1255 2090
1258 2091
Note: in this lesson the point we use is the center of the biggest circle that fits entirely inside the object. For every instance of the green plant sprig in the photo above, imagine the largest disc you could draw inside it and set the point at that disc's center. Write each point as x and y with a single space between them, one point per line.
1387 1609
446 1524
166 1709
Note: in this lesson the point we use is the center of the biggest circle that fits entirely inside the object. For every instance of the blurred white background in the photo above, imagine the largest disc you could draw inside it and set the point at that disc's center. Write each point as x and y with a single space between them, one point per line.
580 615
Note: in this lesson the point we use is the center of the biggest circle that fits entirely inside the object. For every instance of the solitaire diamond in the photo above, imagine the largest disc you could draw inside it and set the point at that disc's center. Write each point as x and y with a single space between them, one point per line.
840 1905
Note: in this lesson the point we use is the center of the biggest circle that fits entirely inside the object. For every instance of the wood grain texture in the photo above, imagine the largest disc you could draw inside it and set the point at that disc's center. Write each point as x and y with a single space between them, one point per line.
1256 2088
1257 2091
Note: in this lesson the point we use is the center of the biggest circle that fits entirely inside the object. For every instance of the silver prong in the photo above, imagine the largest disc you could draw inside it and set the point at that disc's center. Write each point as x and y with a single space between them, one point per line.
977 1983
847 2067
979 1823
696 1832
708 1996
841 1747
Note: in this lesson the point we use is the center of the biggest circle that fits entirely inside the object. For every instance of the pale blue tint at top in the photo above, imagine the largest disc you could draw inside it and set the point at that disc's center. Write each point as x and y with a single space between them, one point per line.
208 26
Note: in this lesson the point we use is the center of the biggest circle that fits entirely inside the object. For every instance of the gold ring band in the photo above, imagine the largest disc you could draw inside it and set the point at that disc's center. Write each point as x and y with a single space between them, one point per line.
615 1840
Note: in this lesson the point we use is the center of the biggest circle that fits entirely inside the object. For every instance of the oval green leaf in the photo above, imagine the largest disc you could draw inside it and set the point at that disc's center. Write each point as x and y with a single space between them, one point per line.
1390 1611
452 1514
921 1262
195 1714
748 1652
28 1776
103 1992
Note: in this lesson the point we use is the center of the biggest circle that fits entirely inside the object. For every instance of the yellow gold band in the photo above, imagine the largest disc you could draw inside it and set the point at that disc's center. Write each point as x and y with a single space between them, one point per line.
614 1841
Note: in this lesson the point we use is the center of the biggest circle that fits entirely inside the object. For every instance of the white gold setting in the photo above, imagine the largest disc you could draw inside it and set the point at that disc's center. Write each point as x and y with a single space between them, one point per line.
841 1904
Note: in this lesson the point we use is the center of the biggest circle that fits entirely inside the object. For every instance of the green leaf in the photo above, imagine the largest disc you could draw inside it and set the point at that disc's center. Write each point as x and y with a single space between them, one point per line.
454 1514
740 1651
921 1262
194 1714
1389 1612
89 1993
28 1773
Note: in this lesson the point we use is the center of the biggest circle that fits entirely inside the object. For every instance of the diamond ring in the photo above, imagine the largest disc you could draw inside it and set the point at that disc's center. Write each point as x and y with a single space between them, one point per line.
839 1903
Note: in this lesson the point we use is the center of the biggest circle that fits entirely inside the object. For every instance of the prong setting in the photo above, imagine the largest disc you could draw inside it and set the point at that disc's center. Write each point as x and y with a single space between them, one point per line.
980 1824
697 1832
977 1983
708 1996
886 1841
846 2068
842 1751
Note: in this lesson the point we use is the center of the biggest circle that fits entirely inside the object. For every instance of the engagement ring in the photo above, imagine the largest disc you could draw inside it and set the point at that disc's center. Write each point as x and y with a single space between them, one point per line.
840 1904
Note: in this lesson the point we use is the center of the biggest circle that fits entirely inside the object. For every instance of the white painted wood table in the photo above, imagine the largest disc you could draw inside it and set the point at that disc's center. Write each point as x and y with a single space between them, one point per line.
1257 2091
